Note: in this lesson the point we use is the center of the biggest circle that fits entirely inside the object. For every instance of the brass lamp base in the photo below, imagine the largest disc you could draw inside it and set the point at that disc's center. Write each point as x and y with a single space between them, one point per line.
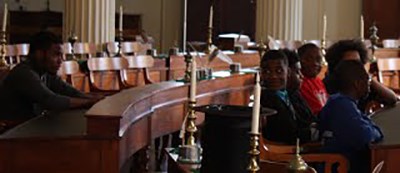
3 41
254 153
190 154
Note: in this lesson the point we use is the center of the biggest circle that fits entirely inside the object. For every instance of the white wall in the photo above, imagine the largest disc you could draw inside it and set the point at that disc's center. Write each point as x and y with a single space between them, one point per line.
343 18
160 18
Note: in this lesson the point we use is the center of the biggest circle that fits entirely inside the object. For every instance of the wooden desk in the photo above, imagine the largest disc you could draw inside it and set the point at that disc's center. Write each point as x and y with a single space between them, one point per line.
389 149
104 137
387 52
247 59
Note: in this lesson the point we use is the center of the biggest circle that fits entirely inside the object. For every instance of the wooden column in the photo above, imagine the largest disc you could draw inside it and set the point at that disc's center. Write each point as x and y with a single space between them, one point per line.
91 20
281 19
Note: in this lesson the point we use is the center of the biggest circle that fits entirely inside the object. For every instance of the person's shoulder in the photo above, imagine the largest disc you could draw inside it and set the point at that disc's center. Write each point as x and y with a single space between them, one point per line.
22 70
341 103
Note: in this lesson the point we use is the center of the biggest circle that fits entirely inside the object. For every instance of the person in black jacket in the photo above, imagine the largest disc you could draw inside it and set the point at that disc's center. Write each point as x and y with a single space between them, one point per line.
33 87
287 125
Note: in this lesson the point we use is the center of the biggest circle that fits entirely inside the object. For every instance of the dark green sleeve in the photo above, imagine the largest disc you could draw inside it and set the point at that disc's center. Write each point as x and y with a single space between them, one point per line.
57 85
28 83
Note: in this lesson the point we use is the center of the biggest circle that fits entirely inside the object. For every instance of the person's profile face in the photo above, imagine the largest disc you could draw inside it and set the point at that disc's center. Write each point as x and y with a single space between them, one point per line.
363 86
311 62
295 77
274 74
53 59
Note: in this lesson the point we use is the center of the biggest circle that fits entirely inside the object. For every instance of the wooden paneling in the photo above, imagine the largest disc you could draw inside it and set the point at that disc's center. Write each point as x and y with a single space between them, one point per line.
23 24
229 16
385 13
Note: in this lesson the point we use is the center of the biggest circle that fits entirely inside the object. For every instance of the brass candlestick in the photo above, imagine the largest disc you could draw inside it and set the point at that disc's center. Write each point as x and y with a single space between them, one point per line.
323 51
209 41
191 128
297 164
254 153
72 40
190 152
3 42
262 48
373 30
119 38
188 61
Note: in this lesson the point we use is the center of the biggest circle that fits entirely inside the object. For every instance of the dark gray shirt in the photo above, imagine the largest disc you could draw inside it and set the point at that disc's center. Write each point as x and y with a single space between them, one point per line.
25 93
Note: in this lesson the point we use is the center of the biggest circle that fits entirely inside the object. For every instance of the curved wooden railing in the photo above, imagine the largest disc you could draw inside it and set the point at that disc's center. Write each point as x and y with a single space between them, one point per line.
103 138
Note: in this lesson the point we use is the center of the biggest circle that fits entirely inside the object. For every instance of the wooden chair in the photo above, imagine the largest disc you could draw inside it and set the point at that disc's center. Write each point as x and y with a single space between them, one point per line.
10 54
81 50
105 64
21 52
127 48
68 69
140 63
111 48
277 152
84 50
390 43
389 67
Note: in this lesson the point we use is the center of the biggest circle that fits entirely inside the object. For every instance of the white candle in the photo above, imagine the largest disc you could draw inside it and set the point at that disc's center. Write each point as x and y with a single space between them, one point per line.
324 28
121 13
4 18
184 27
193 81
210 24
256 106
362 27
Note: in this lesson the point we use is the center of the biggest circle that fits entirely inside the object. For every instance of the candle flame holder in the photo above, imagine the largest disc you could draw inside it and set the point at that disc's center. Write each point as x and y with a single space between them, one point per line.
72 40
191 128
119 38
374 40
254 153
3 51
209 40
323 51
262 48
297 164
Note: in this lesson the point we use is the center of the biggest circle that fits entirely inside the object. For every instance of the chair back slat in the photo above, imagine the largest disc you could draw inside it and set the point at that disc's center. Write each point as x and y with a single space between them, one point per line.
105 64
69 68
66 48
22 49
10 51
84 48
140 61
389 64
